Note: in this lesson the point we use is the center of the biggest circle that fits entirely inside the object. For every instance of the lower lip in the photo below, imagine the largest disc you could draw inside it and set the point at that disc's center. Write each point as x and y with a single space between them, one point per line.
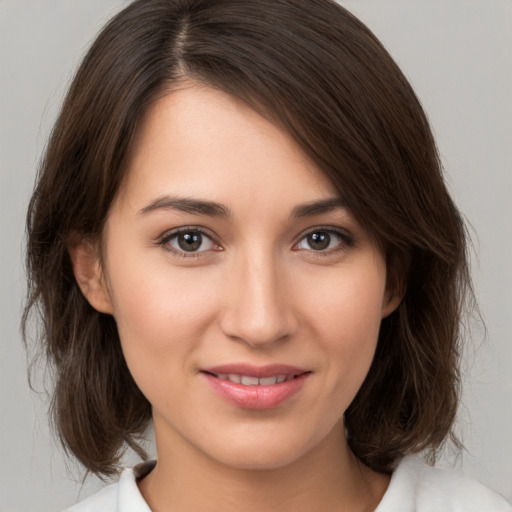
256 397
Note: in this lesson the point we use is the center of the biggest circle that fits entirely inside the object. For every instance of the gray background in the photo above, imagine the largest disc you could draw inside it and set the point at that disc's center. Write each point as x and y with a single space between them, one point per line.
457 54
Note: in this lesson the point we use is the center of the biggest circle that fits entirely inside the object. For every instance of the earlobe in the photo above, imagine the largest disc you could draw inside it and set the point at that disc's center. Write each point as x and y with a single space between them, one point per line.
89 275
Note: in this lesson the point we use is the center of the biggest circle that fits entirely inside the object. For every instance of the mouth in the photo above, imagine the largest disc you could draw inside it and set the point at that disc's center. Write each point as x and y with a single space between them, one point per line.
252 387
249 380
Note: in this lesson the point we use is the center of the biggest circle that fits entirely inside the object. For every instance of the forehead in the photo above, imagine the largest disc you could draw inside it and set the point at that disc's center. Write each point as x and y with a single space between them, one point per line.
199 141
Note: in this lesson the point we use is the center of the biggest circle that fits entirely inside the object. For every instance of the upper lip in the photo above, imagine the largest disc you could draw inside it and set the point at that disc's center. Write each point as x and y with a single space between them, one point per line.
255 371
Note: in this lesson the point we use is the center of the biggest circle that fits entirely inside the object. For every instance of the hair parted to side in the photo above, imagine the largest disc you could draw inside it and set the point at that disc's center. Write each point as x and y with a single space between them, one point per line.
318 73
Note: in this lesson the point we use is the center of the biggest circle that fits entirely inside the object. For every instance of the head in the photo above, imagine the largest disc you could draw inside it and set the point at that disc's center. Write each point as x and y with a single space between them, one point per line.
320 77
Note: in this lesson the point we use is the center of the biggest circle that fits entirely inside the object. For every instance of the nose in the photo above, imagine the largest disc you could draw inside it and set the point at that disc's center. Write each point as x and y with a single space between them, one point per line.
258 309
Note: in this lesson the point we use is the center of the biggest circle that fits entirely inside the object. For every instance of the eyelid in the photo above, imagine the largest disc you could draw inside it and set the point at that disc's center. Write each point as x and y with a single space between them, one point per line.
165 238
347 239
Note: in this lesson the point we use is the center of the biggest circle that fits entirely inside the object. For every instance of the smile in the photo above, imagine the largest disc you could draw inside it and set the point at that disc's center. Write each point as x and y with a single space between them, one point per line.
247 380
252 387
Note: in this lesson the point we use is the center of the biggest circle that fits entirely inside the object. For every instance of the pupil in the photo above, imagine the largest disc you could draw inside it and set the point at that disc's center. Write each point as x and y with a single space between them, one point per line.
319 241
190 241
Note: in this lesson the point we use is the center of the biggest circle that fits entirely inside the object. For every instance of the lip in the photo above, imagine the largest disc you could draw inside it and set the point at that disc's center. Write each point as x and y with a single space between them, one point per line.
256 397
256 371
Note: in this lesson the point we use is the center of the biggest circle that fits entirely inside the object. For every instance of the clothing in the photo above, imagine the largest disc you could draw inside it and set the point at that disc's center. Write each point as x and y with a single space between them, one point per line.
417 487
414 487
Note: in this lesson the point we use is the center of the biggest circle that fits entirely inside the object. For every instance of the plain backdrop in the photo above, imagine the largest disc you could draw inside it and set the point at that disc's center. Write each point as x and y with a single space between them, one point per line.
458 56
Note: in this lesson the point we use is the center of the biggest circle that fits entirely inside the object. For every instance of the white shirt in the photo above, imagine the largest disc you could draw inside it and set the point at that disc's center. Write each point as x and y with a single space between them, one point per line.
414 487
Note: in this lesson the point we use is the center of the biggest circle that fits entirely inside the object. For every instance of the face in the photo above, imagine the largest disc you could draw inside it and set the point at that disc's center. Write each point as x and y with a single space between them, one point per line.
248 299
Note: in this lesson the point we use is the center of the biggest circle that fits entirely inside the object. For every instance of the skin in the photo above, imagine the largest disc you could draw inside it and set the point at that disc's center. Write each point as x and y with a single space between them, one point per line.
255 292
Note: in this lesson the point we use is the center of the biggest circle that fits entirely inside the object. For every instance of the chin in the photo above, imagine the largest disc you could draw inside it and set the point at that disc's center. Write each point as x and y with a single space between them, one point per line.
252 460
260 454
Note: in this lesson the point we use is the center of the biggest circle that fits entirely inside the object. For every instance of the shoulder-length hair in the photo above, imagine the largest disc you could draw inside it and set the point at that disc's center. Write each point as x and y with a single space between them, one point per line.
319 74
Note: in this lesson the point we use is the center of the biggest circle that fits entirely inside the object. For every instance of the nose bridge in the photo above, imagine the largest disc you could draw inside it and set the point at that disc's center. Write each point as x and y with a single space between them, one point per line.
258 309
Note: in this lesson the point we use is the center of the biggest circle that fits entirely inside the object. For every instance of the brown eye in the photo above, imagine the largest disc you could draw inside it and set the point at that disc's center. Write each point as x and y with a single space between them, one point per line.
189 241
324 240
319 241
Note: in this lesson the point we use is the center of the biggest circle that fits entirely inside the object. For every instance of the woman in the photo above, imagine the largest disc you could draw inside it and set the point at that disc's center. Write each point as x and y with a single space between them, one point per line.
241 233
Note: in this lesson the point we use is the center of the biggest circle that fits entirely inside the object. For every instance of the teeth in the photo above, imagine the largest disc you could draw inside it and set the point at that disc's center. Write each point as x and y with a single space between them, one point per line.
268 381
248 380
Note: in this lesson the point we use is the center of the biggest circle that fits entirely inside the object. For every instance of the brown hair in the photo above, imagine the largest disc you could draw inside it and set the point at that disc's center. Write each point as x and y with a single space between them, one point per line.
323 77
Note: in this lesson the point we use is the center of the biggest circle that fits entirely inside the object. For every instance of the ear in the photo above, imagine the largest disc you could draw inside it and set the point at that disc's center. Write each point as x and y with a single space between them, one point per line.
89 275
396 281
391 302
395 291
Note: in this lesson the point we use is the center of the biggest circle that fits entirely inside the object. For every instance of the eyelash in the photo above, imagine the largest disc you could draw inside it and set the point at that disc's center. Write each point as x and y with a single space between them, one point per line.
166 239
345 241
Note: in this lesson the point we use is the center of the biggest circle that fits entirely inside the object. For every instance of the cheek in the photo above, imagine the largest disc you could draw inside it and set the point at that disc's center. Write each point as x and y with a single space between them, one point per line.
160 311
347 304
345 315
161 321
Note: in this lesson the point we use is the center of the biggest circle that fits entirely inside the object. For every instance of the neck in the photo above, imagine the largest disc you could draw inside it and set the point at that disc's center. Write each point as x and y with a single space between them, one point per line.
326 478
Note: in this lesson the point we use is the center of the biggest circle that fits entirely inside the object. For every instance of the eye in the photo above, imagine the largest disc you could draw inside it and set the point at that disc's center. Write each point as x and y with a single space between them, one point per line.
324 240
188 241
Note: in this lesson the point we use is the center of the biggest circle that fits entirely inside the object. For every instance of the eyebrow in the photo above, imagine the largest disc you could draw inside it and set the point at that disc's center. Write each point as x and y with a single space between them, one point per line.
318 207
188 205
213 209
